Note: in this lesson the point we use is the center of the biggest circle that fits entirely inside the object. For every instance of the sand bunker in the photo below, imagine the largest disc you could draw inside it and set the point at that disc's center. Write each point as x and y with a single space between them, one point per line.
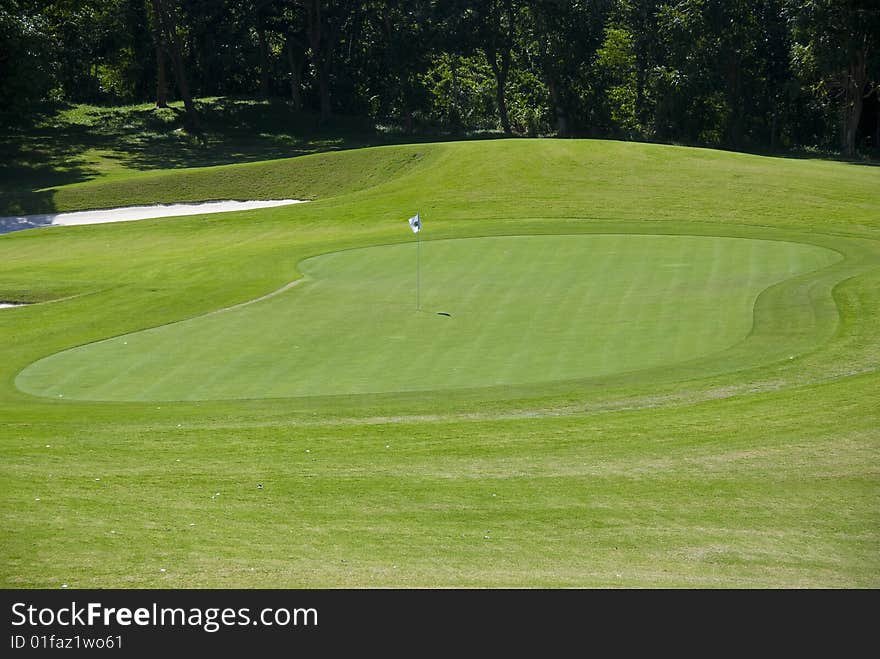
6 305
130 213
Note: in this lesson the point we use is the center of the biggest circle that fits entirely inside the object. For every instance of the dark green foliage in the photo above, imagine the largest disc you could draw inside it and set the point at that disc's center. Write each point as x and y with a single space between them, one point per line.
29 57
738 74
835 50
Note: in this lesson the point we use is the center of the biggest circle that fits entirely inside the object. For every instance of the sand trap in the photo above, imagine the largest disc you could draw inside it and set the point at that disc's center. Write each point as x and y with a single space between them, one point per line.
7 305
130 213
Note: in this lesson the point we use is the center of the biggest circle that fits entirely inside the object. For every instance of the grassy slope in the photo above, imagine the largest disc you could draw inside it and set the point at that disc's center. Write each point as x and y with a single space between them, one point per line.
767 477
303 178
91 143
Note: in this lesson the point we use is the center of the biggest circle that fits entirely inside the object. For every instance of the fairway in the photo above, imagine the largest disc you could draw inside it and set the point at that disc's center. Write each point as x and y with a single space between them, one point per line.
522 309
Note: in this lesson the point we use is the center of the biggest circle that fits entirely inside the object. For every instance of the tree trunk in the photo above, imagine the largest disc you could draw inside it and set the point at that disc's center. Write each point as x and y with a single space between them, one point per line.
497 40
161 82
641 114
734 100
641 27
500 71
454 114
264 57
502 104
395 83
559 111
877 119
319 42
296 70
324 91
500 83
166 23
854 100
774 123
211 76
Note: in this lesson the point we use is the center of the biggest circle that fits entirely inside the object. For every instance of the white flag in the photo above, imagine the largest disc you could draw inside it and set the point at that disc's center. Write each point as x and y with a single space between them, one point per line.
415 223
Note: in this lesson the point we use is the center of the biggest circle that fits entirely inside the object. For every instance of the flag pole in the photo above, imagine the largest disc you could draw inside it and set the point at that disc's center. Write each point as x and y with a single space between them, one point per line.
418 267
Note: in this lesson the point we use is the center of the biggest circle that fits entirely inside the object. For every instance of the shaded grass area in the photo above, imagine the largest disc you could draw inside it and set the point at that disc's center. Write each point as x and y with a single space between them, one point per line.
296 178
764 476
83 143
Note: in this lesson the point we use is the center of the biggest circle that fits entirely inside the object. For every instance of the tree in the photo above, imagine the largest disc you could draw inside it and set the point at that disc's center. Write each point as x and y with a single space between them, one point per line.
779 83
167 23
391 48
324 22
562 40
836 48
497 30
737 73
161 77
28 58
292 18
616 71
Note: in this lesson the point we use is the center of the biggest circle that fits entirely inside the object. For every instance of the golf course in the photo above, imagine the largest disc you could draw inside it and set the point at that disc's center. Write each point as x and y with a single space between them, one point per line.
598 364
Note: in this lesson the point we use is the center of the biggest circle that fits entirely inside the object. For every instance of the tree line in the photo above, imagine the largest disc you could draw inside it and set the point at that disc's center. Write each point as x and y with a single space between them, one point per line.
740 74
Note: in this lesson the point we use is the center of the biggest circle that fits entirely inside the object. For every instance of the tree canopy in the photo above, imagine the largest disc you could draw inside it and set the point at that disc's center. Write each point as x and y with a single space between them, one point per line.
740 74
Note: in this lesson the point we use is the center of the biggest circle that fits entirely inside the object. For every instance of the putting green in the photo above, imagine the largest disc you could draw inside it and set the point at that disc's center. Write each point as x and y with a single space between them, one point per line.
523 309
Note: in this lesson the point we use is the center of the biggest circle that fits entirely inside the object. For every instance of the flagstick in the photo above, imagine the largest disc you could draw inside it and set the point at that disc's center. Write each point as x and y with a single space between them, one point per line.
419 270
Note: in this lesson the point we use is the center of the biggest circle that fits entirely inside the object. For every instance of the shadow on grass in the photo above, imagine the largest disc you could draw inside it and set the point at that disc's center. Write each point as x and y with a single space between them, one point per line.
10 224
58 146
78 143
72 144
864 163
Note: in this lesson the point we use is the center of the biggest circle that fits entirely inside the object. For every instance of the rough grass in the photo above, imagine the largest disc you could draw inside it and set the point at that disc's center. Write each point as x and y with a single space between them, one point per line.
765 474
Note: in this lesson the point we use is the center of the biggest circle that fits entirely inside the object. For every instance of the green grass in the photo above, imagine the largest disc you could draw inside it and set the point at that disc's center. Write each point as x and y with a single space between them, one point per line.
730 439
42 160
524 310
